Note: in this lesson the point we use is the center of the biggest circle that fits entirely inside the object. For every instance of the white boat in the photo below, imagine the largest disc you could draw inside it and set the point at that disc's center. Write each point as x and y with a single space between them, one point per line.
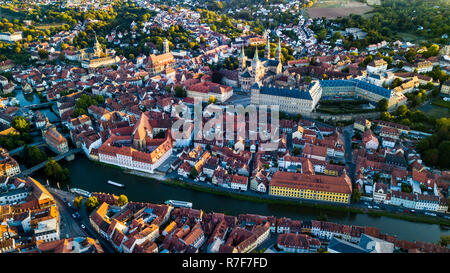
116 184
81 192
177 203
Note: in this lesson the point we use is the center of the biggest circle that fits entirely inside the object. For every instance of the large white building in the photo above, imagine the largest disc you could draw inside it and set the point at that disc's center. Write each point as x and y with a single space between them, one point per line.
417 201
290 100
377 66
10 37
338 89
140 151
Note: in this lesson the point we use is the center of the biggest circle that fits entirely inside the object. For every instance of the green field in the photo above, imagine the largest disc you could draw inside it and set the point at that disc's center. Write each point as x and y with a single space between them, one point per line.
409 37
343 107
438 112
437 109
441 102
48 26
332 3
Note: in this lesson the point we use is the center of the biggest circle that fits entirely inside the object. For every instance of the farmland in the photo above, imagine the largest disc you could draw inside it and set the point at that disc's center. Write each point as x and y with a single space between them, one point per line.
337 8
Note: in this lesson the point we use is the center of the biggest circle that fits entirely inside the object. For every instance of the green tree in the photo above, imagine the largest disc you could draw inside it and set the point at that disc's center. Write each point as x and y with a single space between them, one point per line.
33 155
180 92
444 241
212 99
382 105
356 196
91 203
193 174
123 199
444 154
55 172
21 124
401 110
77 201
43 54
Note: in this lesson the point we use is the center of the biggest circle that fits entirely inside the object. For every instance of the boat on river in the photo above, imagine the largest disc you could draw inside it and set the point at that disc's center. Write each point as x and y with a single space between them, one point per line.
81 192
116 184
177 203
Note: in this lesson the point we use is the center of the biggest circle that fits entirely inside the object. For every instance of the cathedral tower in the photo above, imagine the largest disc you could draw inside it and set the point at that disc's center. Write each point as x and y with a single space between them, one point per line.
166 48
242 59
267 50
278 51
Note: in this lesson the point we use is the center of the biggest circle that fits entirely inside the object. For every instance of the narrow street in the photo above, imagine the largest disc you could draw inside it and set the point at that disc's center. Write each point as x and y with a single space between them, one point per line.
348 133
70 226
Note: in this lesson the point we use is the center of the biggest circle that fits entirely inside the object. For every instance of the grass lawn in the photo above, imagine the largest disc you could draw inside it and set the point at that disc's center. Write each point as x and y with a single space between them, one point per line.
409 37
438 112
337 8
344 107
441 102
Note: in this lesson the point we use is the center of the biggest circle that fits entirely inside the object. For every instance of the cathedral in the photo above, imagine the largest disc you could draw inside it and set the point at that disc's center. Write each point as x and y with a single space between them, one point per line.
93 57
259 70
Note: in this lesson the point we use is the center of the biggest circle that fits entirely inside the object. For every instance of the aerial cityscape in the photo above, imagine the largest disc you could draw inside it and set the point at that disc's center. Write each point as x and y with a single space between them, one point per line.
232 126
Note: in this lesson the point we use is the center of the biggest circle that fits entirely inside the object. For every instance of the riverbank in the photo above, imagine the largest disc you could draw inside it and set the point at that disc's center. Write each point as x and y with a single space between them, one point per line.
93 178
300 203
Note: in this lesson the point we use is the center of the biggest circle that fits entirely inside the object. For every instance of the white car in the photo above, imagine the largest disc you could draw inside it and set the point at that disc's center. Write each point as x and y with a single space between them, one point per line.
83 226
73 215
369 207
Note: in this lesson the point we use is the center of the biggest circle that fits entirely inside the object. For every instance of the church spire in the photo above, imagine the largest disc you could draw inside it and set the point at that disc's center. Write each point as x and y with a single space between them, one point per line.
97 47
278 51
166 48
242 52
267 50
255 57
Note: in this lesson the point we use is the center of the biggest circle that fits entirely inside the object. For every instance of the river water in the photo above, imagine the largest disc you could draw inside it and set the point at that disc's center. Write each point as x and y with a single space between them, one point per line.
34 99
93 177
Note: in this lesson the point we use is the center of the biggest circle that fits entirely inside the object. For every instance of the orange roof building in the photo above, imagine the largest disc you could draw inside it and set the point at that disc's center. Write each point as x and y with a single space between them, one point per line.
56 141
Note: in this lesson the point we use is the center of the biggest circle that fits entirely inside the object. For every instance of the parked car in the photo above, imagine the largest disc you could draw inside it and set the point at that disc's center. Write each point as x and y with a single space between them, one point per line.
73 215
377 207
369 207
83 226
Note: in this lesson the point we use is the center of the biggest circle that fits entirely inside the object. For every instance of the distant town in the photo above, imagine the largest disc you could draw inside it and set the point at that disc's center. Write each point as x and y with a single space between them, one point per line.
358 116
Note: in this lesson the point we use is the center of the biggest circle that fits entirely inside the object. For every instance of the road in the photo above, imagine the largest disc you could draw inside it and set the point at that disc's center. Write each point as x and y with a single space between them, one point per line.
348 134
69 227
72 226
269 242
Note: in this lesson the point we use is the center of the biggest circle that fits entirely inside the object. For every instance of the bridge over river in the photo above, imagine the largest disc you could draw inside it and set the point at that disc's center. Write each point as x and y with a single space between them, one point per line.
39 105
31 170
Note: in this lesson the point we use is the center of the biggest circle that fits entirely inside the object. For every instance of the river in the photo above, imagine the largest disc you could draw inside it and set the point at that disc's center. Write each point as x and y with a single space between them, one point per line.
34 99
93 177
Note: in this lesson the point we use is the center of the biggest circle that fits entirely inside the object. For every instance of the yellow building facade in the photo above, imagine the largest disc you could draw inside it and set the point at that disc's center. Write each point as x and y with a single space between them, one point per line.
311 187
